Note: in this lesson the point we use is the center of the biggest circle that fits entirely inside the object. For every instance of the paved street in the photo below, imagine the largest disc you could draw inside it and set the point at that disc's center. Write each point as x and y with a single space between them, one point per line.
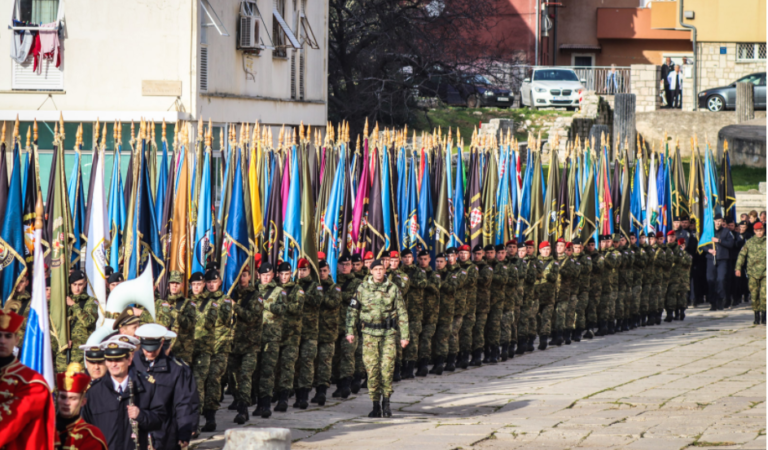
697 383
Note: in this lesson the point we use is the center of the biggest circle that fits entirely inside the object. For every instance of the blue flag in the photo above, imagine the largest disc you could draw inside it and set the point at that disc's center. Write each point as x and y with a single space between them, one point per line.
411 222
144 243
426 213
636 206
708 222
333 214
524 217
162 182
116 213
386 201
77 209
402 197
292 224
458 234
236 234
204 227
12 234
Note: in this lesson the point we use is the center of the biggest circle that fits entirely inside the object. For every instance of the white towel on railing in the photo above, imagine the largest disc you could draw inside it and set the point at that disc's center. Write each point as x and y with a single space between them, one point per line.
20 45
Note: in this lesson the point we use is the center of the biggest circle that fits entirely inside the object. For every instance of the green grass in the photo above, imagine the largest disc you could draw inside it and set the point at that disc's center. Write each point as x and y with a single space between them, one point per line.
746 177
466 120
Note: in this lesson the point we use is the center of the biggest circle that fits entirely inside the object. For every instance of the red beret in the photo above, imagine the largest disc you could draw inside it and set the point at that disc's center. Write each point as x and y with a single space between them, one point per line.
73 380
464 248
680 241
671 233
368 255
568 245
320 255
394 254
303 263
512 242
659 234
10 322
257 257
530 243
559 240
544 244
757 226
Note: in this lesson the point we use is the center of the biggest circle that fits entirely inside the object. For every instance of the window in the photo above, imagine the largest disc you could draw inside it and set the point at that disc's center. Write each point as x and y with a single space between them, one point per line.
750 52
554 75
28 15
203 68
277 31
37 11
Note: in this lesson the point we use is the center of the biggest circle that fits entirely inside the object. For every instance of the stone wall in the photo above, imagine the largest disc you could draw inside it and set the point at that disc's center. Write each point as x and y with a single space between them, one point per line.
594 111
645 85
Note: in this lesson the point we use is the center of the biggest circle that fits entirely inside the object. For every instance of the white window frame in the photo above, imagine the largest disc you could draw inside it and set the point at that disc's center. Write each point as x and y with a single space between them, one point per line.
755 52
214 18
46 66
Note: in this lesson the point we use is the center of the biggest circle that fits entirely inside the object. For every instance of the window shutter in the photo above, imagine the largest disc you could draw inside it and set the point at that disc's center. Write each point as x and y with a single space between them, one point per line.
50 78
203 69
293 75
301 74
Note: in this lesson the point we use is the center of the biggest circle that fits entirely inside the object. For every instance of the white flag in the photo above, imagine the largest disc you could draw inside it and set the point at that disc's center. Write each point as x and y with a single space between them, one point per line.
95 256
652 207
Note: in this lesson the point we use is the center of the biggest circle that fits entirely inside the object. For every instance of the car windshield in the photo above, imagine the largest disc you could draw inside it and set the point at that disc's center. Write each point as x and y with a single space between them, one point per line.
754 78
555 75
476 79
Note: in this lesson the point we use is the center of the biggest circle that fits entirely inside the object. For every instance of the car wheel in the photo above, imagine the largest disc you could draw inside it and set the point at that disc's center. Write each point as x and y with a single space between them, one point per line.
472 101
715 103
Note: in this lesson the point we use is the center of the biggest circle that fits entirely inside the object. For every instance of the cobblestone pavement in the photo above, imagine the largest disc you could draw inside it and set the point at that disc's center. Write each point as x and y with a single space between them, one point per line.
697 383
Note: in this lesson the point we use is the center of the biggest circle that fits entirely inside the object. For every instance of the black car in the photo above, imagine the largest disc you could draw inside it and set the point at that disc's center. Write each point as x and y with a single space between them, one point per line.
472 91
724 97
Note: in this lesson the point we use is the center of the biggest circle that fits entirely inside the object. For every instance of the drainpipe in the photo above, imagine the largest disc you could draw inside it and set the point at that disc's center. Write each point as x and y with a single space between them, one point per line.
695 58
538 25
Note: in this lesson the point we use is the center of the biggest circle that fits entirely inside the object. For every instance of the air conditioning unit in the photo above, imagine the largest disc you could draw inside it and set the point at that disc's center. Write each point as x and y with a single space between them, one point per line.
248 38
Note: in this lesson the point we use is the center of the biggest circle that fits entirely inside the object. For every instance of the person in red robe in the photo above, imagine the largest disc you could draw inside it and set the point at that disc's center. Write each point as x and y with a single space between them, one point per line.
71 430
26 404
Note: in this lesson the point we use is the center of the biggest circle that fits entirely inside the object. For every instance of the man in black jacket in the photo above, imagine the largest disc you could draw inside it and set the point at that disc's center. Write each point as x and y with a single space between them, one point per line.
174 383
125 395
718 255
666 68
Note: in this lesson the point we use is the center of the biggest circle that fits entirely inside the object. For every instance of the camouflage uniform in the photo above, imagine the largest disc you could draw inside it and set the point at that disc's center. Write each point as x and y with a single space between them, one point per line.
548 269
674 253
497 299
414 302
359 364
637 290
82 318
205 327
508 327
451 279
522 305
470 309
612 261
328 331
344 356
289 345
222 347
753 255
460 306
649 276
483 303
577 320
683 279
249 311
531 298
401 280
623 301
659 266
596 286
431 312
666 273
178 315
380 309
305 364
275 301
568 273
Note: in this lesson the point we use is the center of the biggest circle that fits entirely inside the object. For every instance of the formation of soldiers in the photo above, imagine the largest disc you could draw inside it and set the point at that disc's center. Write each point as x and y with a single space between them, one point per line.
384 320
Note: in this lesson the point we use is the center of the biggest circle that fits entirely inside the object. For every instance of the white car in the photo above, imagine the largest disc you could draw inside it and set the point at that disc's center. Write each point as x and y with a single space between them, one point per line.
551 86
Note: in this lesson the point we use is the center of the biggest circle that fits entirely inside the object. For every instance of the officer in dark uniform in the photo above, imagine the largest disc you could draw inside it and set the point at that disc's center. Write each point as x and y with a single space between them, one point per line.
174 383
109 400
717 256
95 363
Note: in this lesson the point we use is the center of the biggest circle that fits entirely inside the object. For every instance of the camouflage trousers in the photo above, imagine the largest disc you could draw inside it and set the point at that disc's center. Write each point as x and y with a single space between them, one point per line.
213 381
242 367
522 317
621 297
344 358
561 308
465 335
570 311
324 363
305 364
607 309
453 343
359 363
533 317
516 335
507 330
682 294
399 355
582 302
478 330
654 299
546 311
757 291
270 353
637 293
60 361
200 368
286 365
493 325
644 299
594 305
670 299
411 352
379 357
425 340
442 337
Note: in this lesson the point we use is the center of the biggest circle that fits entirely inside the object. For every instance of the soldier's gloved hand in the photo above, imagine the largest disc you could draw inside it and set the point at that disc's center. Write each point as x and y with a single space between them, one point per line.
404 343
350 338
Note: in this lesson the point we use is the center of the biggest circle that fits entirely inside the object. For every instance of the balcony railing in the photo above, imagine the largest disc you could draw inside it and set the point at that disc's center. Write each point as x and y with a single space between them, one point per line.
596 78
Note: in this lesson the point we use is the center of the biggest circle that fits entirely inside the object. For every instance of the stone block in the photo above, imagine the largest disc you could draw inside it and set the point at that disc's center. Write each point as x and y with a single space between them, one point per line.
257 439
761 187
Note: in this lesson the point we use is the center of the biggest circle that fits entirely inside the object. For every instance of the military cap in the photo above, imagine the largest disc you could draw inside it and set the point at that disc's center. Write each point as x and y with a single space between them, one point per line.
321 255
197 276
345 259
729 220
501 248
170 335
211 275
464 248
577 241
116 277
394 254
569 245
115 349
651 235
559 240
175 277
76 276
529 243
406 252
368 256
478 248
692 220
440 255
284 267
511 242
125 318
490 248
322 264
151 335
10 322
718 216
93 353
616 237
213 265
683 217
376 263
257 259
543 244
108 270
671 233
589 241
450 251
303 263
423 253
681 241
676 219
659 235
356 258
265 268
743 222
757 226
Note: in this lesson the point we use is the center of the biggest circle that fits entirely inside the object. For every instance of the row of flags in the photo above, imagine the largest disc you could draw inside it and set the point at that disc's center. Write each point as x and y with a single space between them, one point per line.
305 195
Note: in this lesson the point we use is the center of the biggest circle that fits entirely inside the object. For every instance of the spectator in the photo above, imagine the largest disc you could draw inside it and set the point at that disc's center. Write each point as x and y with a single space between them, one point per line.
675 86
762 217
666 68
612 81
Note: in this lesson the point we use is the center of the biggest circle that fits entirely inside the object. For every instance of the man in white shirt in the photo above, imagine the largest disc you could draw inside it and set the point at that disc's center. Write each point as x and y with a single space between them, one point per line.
675 82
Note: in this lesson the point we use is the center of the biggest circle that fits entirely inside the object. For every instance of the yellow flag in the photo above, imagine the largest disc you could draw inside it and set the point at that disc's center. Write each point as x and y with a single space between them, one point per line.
253 181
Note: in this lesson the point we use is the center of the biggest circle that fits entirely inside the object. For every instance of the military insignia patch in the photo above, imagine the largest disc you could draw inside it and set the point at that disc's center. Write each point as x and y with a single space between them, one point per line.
215 305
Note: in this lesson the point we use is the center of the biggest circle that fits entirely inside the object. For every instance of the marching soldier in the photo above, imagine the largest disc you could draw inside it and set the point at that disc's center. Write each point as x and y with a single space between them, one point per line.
548 270
595 288
753 255
72 432
482 303
431 311
307 351
568 273
205 326
508 327
683 274
637 288
623 302
271 332
520 338
528 253
414 303
82 313
178 315
468 321
496 312
327 333
396 275
344 354
459 307
612 261
450 282
578 322
380 308
289 345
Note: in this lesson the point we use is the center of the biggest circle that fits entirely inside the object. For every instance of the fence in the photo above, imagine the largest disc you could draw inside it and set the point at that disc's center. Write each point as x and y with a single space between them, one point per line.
596 78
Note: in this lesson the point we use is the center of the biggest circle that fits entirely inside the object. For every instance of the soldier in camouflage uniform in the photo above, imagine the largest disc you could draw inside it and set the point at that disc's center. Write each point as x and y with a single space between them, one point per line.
511 308
659 266
207 314
178 315
223 335
482 302
414 303
584 261
611 263
568 273
522 306
753 255
305 364
344 355
396 275
673 288
649 270
360 270
449 282
275 306
431 310
546 282
496 312
289 345
595 288
670 258
531 297
683 279
470 309
626 280
328 332
380 309
82 313
459 306
637 288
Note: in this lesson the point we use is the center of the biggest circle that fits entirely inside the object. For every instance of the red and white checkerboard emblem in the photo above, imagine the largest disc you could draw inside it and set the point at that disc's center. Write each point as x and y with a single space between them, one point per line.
414 225
475 217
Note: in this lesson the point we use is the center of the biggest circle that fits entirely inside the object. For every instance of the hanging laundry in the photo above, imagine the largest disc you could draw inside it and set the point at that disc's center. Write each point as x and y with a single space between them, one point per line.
47 46
21 44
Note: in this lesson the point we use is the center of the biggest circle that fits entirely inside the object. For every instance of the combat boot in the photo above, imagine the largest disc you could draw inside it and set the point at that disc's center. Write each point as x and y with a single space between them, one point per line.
512 349
522 345
346 387
242 414
601 329
364 384
263 409
633 322
576 335
356 384
463 360
762 317
566 334
682 314
298 398
677 314
385 411
625 325
669 316
232 406
589 334
337 392
303 400
611 327
319 395
531 341
210 421
408 370
543 341
557 338
437 369
397 375
487 354
494 354
376 412
423 367
757 318
450 363
504 352
282 401
404 370
477 358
